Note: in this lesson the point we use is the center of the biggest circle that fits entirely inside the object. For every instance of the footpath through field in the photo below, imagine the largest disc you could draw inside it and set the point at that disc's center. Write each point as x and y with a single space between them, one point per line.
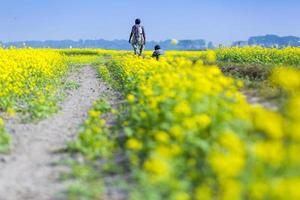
29 172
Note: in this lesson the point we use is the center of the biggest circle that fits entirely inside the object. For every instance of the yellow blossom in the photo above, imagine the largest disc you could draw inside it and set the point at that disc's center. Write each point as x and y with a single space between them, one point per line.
130 98
134 144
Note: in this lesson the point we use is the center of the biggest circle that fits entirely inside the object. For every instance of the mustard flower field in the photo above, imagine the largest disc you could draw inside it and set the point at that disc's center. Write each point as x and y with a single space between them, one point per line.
180 129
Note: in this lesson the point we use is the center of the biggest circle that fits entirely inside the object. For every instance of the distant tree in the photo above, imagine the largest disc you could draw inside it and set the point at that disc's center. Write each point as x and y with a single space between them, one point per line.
274 41
210 45
105 44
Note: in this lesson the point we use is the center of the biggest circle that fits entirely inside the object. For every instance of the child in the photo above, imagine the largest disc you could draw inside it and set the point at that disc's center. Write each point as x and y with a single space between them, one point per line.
138 37
157 52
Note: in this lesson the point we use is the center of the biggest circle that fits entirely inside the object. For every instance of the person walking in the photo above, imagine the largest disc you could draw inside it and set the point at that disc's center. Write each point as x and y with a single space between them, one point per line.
137 38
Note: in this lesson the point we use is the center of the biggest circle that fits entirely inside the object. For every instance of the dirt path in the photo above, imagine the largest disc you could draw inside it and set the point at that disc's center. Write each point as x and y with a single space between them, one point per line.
252 99
29 171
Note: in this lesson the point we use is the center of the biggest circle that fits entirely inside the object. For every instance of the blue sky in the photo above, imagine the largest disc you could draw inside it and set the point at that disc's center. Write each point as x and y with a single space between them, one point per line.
220 21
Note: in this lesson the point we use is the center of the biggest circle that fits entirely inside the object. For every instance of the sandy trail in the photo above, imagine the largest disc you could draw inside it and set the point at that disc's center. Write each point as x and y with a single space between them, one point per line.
255 99
29 171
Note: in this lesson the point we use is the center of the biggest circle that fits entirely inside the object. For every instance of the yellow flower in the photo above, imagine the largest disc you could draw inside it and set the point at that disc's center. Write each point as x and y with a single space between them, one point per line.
291 83
94 113
131 98
231 190
258 190
287 188
162 136
157 166
270 152
143 115
203 193
293 153
183 108
10 112
134 144
203 120
230 165
177 132
269 122
211 56
181 196
232 142
1 122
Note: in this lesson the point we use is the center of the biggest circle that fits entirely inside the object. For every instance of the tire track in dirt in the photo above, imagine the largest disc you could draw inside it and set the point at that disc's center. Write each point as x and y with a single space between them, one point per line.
29 171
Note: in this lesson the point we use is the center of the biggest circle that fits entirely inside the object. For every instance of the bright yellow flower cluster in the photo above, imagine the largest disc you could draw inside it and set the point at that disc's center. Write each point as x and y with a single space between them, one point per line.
193 135
82 59
28 79
81 52
260 55
287 78
88 56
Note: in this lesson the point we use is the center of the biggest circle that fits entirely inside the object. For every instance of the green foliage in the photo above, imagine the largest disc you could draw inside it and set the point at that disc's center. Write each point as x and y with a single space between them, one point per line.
5 139
97 144
104 73
94 140
87 185
71 85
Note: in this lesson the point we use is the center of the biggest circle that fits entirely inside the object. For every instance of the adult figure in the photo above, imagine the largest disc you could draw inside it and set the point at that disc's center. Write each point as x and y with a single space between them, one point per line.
138 37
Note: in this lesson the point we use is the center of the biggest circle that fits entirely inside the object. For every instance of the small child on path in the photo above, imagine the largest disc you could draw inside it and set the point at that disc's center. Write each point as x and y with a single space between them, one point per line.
157 52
